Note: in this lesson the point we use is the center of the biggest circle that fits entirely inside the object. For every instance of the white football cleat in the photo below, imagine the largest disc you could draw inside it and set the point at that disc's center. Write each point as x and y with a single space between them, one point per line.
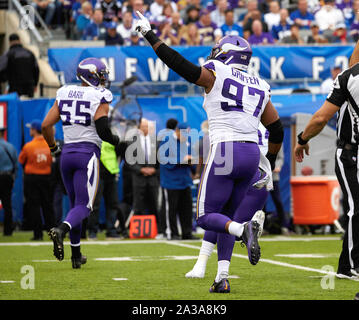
259 216
196 273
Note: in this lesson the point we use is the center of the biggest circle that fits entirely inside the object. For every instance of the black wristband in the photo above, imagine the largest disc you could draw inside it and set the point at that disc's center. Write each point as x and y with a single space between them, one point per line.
152 38
272 158
301 141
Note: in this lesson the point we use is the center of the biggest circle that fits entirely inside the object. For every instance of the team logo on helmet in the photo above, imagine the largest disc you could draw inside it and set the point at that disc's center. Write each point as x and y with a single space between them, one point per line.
93 72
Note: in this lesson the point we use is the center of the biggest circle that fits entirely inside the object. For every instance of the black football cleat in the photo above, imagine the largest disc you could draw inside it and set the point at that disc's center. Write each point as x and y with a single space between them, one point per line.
77 262
220 287
58 240
250 239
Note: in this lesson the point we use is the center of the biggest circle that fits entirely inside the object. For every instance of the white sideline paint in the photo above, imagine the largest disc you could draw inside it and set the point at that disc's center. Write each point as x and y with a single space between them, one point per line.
7 281
109 242
147 258
119 279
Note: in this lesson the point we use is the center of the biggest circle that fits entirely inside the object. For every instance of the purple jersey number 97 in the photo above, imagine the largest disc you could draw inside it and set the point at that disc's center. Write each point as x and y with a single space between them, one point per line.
75 112
239 96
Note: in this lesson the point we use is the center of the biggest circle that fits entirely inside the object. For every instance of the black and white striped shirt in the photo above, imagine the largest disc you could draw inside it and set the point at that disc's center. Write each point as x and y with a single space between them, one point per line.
345 95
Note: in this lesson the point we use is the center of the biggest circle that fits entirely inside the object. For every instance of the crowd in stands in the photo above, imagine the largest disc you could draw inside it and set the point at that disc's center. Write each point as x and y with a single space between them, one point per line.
202 22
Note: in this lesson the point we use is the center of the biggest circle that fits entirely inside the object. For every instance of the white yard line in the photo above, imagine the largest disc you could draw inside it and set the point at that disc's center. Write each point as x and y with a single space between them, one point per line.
152 241
278 263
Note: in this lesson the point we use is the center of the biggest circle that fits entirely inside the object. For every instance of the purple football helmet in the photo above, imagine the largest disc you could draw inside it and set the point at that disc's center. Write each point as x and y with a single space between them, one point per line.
232 50
93 72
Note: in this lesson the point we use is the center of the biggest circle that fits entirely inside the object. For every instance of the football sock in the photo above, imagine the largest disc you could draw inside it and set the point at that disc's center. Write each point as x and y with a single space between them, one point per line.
75 250
223 270
235 229
204 254
64 227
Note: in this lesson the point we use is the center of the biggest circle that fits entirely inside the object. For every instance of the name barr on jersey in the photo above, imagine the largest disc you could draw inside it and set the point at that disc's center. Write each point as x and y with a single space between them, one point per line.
238 74
76 94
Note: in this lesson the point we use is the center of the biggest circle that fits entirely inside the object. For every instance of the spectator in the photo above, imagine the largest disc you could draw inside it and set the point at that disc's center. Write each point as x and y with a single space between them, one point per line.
36 158
294 37
46 9
126 27
166 14
19 68
135 40
302 16
83 19
107 188
192 14
282 29
112 37
170 31
189 35
208 30
264 6
251 6
258 36
218 15
273 16
8 170
138 5
327 84
156 8
229 27
145 171
176 181
350 16
354 28
339 34
111 9
247 28
314 6
164 228
316 37
63 15
328 17
347 7
96 28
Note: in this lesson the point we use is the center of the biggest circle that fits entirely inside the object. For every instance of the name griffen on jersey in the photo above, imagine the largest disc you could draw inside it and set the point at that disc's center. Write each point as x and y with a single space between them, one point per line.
235 104
77 106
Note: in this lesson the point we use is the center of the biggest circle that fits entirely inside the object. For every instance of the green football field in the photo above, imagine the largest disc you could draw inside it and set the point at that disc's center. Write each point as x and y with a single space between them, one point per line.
291 268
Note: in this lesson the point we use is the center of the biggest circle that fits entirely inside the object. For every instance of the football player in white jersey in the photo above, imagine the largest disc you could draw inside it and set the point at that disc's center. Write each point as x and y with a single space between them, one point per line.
235 103
83 110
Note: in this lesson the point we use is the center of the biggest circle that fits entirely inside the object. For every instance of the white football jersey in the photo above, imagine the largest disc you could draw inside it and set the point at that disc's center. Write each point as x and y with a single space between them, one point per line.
263 135
235 104
77 107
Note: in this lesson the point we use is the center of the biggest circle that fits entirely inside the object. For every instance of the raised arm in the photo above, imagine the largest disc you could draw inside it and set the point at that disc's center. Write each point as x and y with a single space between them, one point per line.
175 61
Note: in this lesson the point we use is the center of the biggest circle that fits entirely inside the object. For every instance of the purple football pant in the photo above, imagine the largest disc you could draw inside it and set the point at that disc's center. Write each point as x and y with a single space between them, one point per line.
225 181
80 174
254 200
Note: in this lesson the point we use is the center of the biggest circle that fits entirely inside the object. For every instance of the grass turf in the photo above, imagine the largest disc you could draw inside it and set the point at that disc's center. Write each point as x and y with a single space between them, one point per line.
156 271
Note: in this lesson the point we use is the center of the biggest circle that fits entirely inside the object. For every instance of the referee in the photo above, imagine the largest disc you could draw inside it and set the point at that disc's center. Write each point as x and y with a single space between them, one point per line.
344 99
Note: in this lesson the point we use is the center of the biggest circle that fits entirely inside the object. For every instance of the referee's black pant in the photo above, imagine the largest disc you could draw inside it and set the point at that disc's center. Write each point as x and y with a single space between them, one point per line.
178 202
346 169
37 193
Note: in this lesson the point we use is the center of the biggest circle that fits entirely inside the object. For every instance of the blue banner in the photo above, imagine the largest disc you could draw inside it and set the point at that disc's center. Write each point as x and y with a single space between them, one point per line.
270 62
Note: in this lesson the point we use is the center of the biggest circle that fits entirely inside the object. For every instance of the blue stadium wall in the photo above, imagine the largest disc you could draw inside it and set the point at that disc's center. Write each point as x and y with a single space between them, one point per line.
159 109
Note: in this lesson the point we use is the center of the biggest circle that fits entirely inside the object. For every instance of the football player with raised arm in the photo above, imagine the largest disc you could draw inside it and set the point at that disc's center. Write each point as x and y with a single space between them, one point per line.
83 110
235 103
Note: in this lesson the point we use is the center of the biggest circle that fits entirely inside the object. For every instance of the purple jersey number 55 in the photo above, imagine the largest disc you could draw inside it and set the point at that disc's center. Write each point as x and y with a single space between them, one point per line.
75 111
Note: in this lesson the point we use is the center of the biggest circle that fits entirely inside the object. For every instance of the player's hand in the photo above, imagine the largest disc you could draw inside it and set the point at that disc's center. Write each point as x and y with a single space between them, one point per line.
263 181
299 152
142 25
55 150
